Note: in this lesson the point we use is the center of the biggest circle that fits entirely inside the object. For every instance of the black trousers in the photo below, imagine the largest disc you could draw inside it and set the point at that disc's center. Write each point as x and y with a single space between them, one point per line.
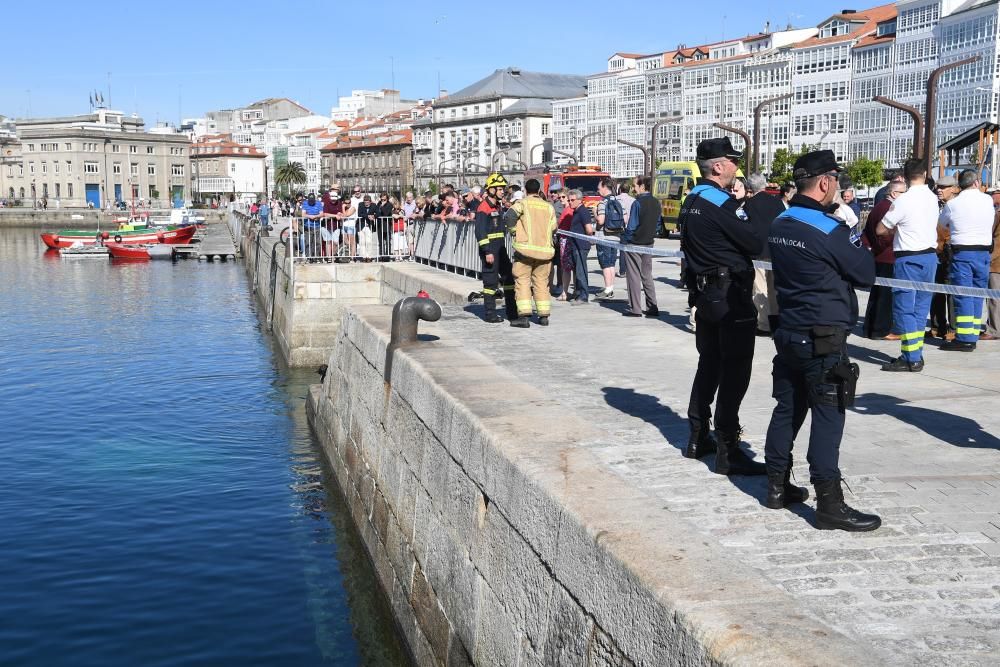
801 384
878 315
725 357
942 308
500 272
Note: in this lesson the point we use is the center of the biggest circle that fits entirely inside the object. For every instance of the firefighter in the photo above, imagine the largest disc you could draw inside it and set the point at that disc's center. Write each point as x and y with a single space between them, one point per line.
531 221
497 267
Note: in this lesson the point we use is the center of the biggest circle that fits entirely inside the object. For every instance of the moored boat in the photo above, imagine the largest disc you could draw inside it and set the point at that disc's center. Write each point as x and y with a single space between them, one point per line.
67 237
127 251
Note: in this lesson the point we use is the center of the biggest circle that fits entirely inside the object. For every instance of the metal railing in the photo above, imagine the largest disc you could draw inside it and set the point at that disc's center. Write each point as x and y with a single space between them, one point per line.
381 239
451 246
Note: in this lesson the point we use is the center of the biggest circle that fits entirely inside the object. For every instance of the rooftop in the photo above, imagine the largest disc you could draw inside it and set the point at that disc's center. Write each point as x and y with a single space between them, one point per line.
514 82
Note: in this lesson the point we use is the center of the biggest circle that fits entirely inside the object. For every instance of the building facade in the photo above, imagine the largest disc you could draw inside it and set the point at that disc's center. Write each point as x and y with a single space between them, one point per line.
95 160
370 103
500 122
378 163
223 169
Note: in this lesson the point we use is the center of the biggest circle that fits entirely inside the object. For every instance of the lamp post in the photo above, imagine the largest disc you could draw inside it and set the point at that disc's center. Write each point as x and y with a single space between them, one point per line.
736 130
531 152
931 106
645 156
756 128
584 138
918 122
653 140
440 171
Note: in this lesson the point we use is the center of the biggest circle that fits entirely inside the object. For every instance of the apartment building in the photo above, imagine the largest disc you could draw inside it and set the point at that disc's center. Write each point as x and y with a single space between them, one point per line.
496 122
378 163
220 169
93 160
370 103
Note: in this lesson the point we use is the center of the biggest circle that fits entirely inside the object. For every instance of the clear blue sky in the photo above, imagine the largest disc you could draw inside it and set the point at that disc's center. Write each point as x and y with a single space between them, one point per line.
184 57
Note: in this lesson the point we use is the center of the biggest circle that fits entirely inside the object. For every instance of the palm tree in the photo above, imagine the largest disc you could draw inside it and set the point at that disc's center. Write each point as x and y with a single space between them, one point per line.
290 174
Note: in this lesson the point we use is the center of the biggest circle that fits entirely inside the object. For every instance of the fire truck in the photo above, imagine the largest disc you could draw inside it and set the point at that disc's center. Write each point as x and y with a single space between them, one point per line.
582 177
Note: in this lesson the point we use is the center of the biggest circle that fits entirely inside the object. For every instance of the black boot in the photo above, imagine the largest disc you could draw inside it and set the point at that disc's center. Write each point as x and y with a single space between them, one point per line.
701 442
780 490
832 513
731 460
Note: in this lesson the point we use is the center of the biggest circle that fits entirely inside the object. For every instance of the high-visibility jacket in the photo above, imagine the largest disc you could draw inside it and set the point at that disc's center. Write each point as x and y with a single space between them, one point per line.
489 228
532 221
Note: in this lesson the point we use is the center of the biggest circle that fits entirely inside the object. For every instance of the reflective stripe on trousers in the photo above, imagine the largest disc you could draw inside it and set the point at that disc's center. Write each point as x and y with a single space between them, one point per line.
970 268
910 307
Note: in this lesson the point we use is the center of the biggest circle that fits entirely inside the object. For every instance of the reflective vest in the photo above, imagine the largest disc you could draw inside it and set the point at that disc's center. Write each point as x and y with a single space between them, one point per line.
532 221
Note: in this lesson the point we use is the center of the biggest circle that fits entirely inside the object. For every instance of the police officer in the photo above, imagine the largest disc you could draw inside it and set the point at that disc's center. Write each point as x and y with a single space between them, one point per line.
816 268
718 244
497 267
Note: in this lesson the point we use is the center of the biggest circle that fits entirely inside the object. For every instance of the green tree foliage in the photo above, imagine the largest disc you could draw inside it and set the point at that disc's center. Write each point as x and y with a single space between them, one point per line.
784 160
289 175
865 173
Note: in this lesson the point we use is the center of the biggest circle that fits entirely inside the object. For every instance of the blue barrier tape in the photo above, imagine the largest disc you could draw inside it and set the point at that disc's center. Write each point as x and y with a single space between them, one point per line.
954 290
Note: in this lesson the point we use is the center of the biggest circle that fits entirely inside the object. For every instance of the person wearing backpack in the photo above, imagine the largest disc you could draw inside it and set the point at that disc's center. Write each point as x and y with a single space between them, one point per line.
610 224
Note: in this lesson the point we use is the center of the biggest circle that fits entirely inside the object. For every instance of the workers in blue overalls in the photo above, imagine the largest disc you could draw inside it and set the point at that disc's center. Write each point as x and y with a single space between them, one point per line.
816 268
491 237
914 216
969 217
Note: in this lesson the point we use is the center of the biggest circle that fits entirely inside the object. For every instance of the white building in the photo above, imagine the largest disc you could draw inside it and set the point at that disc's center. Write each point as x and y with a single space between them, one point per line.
371 103
496 121
223 168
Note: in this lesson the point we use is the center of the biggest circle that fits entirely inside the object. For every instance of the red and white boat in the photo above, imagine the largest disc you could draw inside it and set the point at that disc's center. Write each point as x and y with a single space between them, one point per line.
66 238
127 251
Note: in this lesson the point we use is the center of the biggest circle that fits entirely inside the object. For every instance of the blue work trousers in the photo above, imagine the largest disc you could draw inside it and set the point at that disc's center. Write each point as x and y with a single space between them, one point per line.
910 307
970 268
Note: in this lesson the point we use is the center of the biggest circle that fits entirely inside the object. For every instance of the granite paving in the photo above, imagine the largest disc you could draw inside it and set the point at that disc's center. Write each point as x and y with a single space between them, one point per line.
921 450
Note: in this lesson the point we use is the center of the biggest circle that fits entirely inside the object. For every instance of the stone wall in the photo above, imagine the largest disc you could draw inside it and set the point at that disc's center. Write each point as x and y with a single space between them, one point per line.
501 540
77 218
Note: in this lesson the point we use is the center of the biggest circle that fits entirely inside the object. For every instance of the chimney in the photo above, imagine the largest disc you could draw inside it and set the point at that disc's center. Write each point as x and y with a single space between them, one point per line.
515 71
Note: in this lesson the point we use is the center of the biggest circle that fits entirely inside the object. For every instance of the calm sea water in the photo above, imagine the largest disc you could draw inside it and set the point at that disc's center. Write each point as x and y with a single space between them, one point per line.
162 499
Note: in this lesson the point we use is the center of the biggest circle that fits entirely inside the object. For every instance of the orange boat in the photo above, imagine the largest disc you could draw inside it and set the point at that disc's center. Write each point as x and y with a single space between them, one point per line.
144 235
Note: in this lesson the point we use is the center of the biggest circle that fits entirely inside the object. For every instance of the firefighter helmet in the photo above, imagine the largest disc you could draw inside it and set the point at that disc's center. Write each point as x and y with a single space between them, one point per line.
496 180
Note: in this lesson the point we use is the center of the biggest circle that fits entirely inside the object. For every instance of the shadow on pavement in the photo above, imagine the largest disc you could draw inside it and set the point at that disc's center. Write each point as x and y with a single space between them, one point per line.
868 355
674 429
945 426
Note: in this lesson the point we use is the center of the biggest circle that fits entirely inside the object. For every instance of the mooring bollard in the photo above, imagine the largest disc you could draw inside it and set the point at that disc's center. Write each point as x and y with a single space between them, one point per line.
405 315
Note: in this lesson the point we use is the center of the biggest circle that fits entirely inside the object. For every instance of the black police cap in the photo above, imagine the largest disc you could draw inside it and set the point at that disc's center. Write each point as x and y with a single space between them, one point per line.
816 163
719 147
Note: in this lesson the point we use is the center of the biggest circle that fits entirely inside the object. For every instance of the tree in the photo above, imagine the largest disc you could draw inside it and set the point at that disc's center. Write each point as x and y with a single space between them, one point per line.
289 175
865 173
432 187
784 160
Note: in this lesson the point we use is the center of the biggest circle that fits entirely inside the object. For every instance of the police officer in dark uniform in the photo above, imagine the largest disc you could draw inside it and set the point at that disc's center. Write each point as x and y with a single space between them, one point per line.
497 267
718 245
816 268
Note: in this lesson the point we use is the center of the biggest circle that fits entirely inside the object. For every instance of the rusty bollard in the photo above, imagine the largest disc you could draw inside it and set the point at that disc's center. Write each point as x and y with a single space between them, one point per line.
405 315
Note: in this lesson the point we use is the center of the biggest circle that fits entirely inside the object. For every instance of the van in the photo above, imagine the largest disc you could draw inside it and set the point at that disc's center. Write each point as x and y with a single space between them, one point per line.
671 184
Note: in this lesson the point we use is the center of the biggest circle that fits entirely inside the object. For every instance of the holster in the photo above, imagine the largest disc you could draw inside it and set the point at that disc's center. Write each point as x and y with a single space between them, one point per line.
713 294
845 375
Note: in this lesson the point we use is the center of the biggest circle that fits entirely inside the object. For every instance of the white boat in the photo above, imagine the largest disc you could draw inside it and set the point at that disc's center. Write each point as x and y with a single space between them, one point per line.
81 250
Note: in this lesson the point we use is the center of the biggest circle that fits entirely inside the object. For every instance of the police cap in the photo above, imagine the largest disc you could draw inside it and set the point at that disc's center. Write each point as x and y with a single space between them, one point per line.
719 147
816 163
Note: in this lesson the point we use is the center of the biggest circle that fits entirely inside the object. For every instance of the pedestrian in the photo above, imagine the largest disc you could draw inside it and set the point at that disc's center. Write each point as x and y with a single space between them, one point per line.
367 241
412 211
817 269
497 269
992 309
610 225
897 177
348 226
264 213
914 216
531 222
399 245
850 199
878 315
942 316
565 248
970 218
312 222
625 198
761 209
333 209
581 223
719 246
787 192
644 220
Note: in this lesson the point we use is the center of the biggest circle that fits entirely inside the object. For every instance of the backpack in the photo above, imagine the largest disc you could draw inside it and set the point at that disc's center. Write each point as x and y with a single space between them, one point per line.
614 215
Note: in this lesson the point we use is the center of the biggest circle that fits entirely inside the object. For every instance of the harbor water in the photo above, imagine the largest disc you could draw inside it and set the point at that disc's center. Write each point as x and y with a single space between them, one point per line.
163 500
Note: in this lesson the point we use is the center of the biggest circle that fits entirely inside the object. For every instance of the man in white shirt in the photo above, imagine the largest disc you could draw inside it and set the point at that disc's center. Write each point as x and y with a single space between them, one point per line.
969 218
914 216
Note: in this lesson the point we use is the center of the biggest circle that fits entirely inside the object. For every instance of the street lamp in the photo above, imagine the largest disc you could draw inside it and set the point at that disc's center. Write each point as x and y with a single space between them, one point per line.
931 106
653 140
756 128
584 138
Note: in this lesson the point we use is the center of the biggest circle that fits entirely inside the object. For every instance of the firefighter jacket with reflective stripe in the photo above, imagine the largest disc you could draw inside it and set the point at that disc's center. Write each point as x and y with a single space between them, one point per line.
489 228
532 221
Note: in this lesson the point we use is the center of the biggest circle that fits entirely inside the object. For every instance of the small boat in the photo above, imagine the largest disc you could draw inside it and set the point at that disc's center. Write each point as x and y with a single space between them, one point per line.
137 236
80 250
127 251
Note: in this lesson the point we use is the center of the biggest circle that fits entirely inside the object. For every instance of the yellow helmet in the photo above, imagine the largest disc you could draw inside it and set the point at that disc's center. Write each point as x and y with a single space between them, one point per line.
496 180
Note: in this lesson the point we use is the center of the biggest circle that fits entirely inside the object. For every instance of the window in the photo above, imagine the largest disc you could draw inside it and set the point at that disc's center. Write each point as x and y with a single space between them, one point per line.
69 190
133 169
69 146
919 18
50 147
55 167
116 167
45 167
545 129
31 167
58 191
90 168
149 150
151 170
133 148
115 148
31 148
69 167
176 170
152 190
